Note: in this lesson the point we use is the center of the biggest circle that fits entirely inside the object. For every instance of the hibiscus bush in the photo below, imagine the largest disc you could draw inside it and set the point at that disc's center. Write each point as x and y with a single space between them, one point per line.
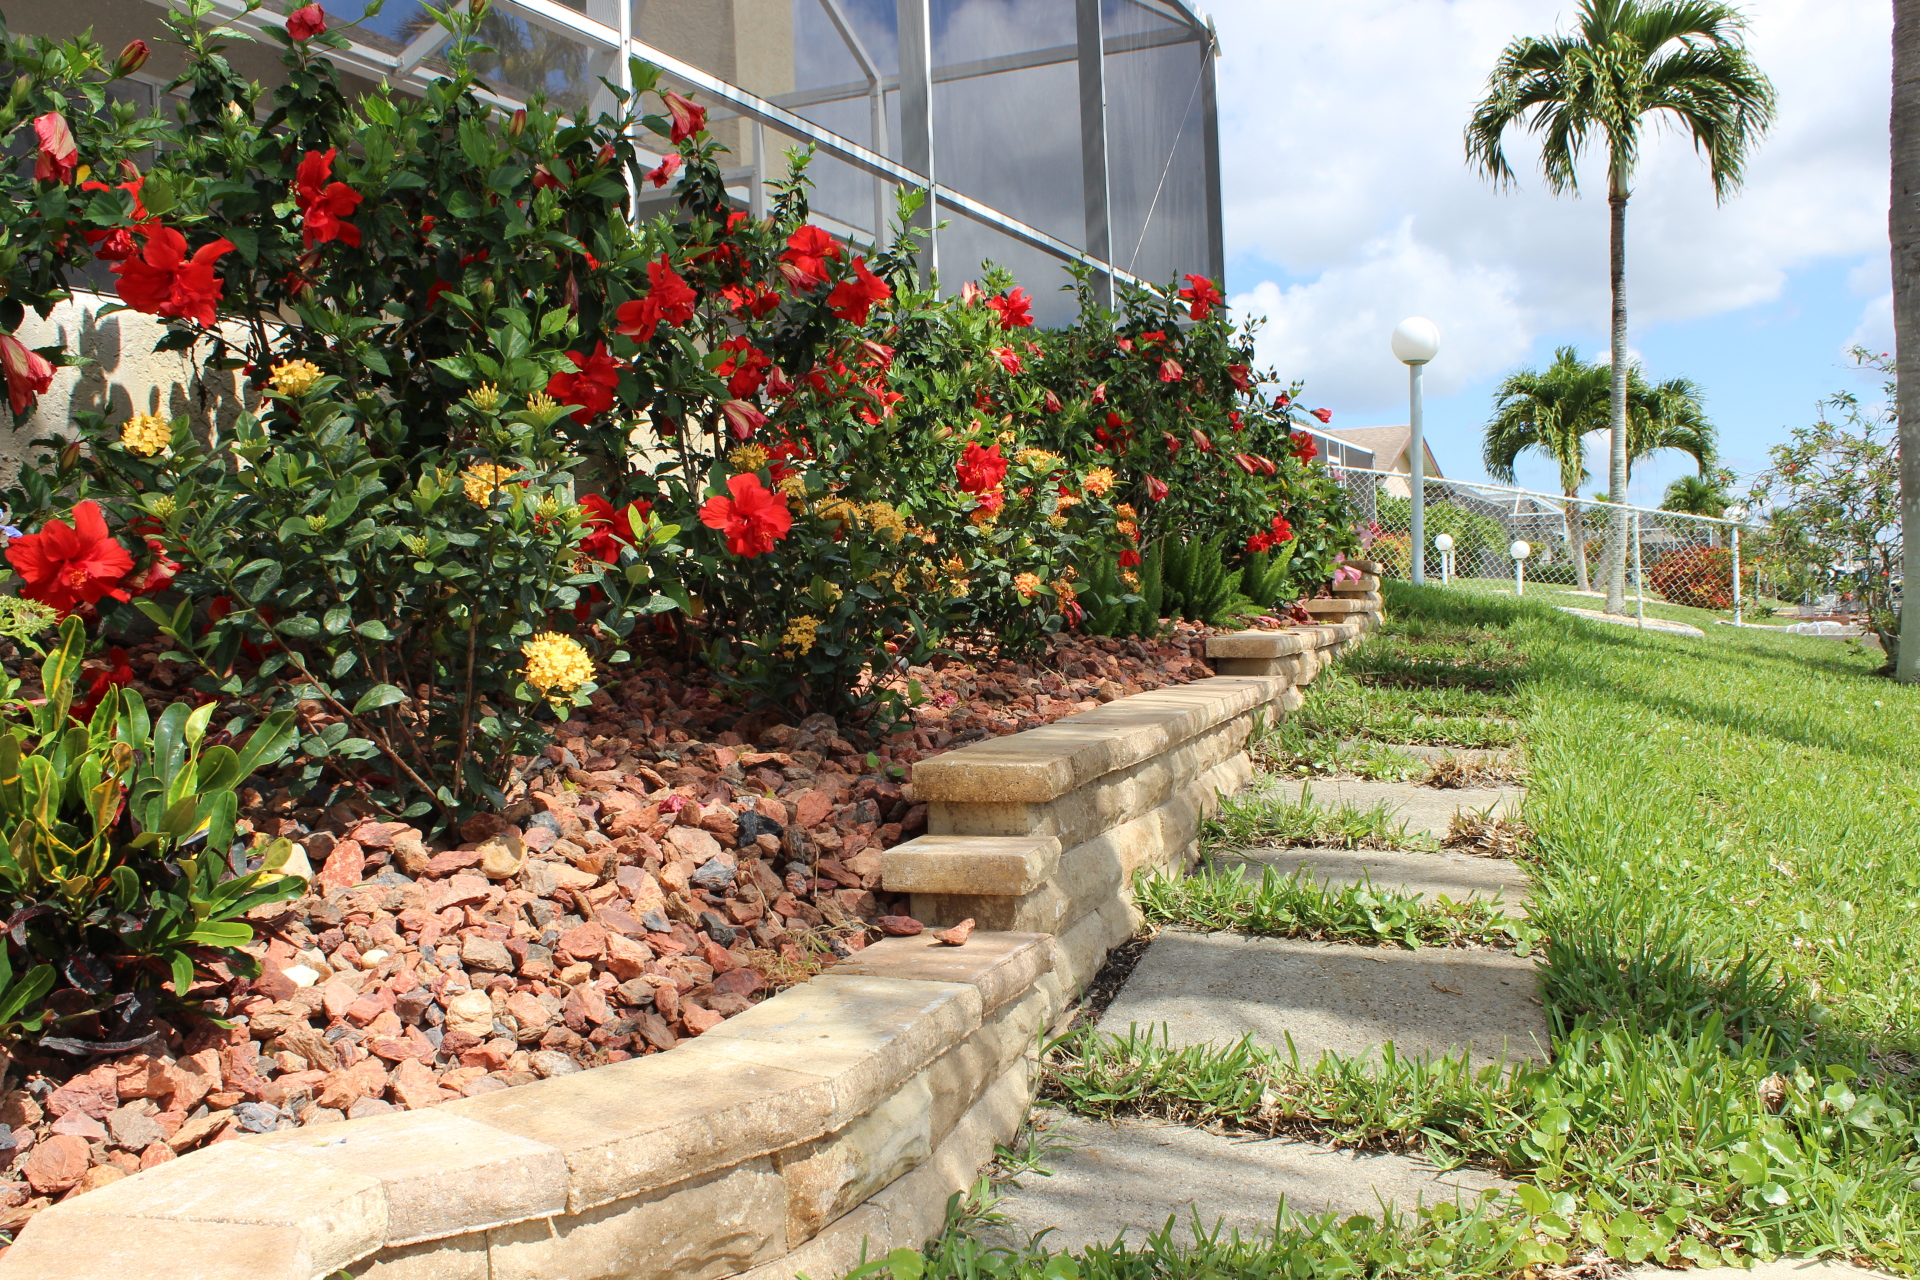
502 438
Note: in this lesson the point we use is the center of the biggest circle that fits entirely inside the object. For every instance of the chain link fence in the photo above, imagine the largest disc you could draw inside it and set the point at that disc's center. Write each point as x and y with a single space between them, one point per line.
1672 557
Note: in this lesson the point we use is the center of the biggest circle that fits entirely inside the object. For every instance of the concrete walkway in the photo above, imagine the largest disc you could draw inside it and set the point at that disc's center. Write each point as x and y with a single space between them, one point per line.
1458 876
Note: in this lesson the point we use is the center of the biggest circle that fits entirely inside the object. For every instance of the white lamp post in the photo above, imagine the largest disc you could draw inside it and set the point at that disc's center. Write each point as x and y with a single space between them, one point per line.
1443 543
1416 341
1738 514
1519 551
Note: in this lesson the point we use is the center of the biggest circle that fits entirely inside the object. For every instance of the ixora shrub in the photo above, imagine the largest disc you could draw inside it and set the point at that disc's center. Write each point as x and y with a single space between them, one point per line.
118 863
1701 577
501 438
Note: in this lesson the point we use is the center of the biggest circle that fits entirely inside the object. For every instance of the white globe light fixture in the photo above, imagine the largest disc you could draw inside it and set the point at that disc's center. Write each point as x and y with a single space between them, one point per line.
1520 550
1737 513
1416 340
1443 543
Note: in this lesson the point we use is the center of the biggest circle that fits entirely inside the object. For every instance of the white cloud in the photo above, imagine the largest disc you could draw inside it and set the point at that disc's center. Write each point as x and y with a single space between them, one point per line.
1342 155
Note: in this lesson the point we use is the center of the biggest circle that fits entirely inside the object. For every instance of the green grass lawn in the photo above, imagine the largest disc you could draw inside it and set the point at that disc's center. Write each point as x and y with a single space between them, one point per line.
1727 849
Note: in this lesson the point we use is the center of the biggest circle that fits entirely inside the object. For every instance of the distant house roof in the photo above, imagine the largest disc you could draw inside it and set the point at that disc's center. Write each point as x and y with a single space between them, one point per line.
1389 447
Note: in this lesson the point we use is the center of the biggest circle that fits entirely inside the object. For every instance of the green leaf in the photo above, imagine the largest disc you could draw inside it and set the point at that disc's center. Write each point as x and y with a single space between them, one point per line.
381 695
374 629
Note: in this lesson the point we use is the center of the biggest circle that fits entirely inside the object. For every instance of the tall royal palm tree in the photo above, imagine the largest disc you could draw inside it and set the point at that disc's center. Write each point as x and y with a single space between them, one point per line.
1550 412
1903 223
1627 62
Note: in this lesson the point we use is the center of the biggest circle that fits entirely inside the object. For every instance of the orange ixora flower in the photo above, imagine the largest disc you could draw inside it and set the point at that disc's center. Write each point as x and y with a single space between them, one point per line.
1027 584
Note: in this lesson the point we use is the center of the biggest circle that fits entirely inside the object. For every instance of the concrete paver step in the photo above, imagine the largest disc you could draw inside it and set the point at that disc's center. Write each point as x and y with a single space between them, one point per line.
1425 810
1458 876
1131 1176
1219 987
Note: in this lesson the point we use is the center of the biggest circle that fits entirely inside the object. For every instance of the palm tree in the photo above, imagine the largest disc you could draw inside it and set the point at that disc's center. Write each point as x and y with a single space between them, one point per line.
1903 221
1629 60
1669 415
1551 413
1695 495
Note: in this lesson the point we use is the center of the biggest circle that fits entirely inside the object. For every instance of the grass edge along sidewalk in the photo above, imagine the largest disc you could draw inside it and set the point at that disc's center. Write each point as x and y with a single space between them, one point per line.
1729 889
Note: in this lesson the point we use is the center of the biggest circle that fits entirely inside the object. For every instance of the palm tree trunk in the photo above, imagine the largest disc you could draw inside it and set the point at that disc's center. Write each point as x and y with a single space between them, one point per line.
1617 396
1903 224
1577 538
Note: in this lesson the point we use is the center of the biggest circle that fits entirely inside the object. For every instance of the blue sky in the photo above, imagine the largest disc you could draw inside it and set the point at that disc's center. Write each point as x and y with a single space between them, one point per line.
1348 206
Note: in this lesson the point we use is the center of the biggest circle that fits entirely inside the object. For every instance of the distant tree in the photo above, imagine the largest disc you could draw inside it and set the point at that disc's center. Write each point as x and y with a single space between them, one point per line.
1627 61
1696 496
1552 411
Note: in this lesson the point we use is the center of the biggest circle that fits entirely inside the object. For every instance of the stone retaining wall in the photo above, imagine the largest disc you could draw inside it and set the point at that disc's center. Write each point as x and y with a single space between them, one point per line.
833 1119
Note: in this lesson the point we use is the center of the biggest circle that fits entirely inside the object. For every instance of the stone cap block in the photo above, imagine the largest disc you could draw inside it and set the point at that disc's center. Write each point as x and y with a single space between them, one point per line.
1365 584
1004 966
87 1246
1375 567
1337 608
648 1122
1258 644
1045 763
995 866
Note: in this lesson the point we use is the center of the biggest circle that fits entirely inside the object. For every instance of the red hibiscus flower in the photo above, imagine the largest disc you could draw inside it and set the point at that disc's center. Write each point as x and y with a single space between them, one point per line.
116 675
804 261
1304 448
1129 559
1015 309
852 300
116 245
1282 400
1282 531
980 470
543 179
1202 296
1156 489
1051 402
744 369
661 174
1170 370
756 299
28 374
608 526
688 119
67 568
1008 360
752 518
305 24
1259 542
991 501
162 281
1239 374
1236 420
1325 415
670 299
590 386
56 157
325 205
1173 443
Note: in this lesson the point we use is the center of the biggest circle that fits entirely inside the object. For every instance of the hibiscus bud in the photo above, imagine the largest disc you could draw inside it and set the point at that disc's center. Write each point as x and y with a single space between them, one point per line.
1053 403
131 58
70 456
517 123
1156 489
605 157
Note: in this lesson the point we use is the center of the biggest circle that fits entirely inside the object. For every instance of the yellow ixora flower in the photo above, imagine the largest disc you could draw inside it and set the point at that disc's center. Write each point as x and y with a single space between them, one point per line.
542 403
1099 481
748 457
295 377
485 397
793 485
800 634
1038 459
884 520
482 480
146 434
556 664
1065 590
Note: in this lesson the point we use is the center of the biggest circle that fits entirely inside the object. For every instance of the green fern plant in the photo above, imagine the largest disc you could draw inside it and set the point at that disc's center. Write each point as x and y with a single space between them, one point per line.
1199 586
1126 611
1264 577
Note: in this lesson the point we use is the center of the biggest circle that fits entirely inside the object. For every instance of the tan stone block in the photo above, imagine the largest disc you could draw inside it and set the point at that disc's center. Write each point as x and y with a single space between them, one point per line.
84 1246
444 1173
1266 668
1337 608
1256 644
655 1121
1002 965
338 1214
1367 584
1288 701
1375 567
461 1258
1086 811
964 1072
870 1034
830 1176
861 1236
1003 865
916 1205
712 1226
1042 764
